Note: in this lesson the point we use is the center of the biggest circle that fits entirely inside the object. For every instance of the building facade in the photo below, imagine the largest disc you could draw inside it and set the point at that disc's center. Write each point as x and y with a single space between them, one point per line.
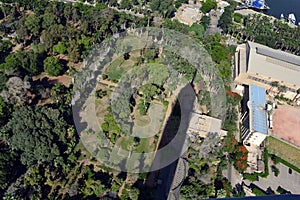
260 65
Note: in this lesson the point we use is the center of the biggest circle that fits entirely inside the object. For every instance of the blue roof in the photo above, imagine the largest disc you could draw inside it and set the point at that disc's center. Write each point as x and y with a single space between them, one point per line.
257 3
257 104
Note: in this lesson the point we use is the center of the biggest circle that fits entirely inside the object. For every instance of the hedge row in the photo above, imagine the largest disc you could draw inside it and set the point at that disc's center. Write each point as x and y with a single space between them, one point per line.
258 192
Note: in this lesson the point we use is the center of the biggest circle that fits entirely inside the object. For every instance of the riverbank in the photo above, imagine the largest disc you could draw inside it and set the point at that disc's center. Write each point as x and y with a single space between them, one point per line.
252 12
278 7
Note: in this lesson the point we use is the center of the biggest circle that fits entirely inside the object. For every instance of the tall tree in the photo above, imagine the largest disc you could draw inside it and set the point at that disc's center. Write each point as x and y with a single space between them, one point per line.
52 66
8 163
38 133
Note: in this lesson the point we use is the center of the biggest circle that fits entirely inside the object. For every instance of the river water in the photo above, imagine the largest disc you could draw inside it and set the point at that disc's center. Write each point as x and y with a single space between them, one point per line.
285 7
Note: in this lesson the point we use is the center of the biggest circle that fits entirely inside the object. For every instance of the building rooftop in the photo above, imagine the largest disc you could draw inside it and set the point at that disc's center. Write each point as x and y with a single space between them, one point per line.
203 124
274 63
188 14
257 103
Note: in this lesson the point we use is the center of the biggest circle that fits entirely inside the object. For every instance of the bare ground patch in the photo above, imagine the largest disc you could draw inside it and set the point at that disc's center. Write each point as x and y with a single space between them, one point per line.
286 120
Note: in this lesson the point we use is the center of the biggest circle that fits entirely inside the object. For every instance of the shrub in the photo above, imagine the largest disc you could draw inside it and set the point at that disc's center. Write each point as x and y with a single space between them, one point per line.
280 190
104 76
266 157
237 17
143 107
52 66
165 103
251 177
208 5
258 192
276 171
101 93
60 47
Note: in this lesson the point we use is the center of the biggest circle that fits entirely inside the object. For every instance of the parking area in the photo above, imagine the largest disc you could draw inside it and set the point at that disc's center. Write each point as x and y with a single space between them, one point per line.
286 180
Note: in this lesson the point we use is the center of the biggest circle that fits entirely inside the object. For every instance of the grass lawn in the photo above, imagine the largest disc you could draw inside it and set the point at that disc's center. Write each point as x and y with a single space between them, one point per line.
119 67
283 150
145 145
141 120
84 153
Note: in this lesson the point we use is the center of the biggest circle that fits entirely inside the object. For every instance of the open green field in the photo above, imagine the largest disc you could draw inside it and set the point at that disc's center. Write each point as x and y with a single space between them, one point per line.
145 145
283 150
149 125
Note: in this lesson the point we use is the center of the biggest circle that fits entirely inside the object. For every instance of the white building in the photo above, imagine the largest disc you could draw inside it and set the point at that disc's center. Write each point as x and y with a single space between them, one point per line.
203 124
261 65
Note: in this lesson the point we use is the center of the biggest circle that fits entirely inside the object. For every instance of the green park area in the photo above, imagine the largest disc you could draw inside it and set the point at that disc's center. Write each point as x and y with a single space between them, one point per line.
287 153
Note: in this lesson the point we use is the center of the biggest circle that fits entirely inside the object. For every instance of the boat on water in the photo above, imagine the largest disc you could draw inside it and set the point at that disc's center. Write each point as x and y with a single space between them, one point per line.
257 4
292 19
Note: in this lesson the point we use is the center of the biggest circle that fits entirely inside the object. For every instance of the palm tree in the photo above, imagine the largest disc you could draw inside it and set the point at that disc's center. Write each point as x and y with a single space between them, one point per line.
282 88
274 83
298 92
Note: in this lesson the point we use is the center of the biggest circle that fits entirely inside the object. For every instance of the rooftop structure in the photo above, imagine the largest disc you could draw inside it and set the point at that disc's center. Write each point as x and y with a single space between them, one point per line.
260 65
203 124
188 14
254 120
257 105
258 4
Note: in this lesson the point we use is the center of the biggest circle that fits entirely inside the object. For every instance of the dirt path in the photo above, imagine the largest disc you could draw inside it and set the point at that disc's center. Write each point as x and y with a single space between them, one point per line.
16 48
108 83
122 187
64 79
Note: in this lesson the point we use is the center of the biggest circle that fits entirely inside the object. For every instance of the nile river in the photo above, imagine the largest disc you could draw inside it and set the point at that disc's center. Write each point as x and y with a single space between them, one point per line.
285 7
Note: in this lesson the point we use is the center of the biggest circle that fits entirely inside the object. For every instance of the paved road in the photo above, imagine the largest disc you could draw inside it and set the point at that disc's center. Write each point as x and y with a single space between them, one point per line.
127 12
214 19
232 175
290 182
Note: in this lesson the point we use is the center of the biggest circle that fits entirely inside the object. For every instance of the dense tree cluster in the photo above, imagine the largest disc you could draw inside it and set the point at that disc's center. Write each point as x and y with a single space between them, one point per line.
8 163
226 18
204 156
39 133
261 29
52 66
51 37
165 8
208 5
23 62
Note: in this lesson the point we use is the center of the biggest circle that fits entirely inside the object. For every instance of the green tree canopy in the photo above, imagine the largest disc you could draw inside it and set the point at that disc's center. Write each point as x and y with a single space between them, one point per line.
8 161
218 53
149 91
4 111
60 47
225 69
5 46
39 133
208 5
226 18
52 66
25 62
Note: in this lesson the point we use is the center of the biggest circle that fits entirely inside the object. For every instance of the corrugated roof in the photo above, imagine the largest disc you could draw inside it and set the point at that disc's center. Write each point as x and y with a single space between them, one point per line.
274 63
278 55
256 104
